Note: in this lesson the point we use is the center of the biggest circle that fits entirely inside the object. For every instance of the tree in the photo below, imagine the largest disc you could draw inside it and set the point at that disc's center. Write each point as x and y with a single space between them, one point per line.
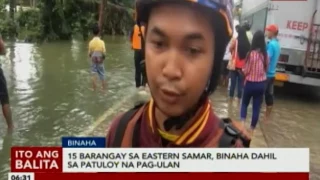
101 14
12 7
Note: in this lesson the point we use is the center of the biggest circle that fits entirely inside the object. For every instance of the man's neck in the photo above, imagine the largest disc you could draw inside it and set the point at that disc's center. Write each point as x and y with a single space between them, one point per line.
273 38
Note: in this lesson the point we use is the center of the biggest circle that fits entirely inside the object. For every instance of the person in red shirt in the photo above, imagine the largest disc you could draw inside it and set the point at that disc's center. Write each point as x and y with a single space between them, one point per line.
240 48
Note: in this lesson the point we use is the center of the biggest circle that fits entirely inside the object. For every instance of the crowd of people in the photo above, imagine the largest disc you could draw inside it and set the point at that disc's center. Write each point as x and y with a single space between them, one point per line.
250 63
183 67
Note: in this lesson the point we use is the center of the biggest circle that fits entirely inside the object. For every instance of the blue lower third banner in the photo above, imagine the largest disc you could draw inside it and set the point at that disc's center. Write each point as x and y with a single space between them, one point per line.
83 142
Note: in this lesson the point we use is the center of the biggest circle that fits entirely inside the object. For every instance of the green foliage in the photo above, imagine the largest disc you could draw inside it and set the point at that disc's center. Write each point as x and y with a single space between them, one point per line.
3 20
117 21
30 28
125 3
63 19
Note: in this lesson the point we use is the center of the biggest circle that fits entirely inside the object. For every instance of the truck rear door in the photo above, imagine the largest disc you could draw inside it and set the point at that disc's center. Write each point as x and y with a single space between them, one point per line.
293 18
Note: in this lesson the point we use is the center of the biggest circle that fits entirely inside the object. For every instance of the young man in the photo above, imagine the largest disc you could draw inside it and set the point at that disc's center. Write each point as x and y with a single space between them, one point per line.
273 50
4 96
184 48
97 53
136 41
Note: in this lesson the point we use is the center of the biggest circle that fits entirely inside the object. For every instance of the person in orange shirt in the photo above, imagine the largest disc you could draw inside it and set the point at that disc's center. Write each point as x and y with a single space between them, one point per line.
240 47
136 42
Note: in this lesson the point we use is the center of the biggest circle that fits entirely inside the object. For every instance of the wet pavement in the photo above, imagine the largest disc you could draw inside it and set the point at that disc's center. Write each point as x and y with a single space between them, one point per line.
50 94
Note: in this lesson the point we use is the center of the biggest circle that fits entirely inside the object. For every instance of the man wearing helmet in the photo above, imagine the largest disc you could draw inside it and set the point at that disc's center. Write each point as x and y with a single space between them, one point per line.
184 46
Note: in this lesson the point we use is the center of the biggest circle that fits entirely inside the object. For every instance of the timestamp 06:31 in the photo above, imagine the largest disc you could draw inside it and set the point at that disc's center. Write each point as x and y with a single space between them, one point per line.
21 176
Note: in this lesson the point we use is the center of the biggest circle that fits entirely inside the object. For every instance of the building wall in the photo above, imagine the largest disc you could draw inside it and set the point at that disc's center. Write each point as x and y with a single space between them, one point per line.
251 6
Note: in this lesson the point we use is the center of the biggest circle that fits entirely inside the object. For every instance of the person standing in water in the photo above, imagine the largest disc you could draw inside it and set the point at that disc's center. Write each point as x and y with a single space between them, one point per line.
255 70
136 41
273 49
97 54
184 47
231 64
4 95
240 48
224 67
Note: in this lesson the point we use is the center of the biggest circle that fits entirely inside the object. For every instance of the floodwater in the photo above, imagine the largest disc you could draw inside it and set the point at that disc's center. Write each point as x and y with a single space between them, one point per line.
50 95
295 122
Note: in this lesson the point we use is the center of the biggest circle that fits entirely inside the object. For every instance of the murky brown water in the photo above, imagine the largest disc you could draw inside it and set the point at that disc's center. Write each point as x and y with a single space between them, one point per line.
295 121
50 98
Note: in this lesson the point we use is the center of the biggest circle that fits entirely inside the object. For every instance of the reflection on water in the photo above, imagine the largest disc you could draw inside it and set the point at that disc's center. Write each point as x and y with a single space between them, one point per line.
50 97
24 71
49 90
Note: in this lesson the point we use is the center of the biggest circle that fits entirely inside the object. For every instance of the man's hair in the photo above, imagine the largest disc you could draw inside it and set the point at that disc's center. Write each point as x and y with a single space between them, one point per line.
246 26
237 28
96 30
243 43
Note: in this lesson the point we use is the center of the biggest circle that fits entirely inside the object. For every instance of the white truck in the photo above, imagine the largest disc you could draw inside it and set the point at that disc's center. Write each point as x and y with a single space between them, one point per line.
299 36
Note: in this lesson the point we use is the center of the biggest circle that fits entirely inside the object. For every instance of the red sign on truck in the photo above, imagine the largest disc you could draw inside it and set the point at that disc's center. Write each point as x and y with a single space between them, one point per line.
297 25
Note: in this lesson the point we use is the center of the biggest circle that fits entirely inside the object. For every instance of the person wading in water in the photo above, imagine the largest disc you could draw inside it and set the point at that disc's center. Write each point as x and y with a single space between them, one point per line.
240 47
4 95
136 38
97 54
255 75
184 47
274 51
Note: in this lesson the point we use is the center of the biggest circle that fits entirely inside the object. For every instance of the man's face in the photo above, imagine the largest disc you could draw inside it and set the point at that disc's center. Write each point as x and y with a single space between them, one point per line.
270 34
179 57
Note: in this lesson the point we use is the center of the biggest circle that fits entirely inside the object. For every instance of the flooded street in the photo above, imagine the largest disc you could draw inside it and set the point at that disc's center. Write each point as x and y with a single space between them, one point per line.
49 86
295 120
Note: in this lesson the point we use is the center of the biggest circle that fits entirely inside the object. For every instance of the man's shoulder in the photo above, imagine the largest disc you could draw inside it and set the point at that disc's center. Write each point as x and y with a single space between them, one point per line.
275 45
91 41
271 44
101 41
274 42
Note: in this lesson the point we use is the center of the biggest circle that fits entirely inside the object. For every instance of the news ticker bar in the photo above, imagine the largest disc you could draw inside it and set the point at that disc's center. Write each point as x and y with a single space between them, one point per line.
148 176
88 154
56 159
185 160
